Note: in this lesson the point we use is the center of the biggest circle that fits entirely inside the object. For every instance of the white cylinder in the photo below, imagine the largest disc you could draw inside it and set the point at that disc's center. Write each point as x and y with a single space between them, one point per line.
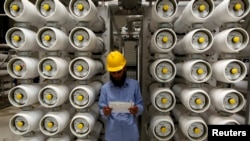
195 41
37 137
227 11
196 11
82 124
196 71
24 95
240 118
162 127
163 11
54 122
212 118
227 99
94 135
25 121
23 67
229 70
52 39
21 39
194 99
22 11
163 70
54 11
231 40
53 95
193 127
163 41
241 86
162 98
83 68
83 39
83 96
53 67
86 11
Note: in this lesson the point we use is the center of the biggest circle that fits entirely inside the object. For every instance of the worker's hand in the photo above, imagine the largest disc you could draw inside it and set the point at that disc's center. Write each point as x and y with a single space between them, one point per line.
133 110
107 110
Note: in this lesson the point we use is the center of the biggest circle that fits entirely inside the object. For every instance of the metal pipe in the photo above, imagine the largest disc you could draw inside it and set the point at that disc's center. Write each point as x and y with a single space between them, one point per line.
8 85
3 65
6 79
4 93
3 72
3 56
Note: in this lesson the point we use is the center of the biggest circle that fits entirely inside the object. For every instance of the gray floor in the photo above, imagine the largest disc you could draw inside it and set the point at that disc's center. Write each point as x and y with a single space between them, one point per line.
5 132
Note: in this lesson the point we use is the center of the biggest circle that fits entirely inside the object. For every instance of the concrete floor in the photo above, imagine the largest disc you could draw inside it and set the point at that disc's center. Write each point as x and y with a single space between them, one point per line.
5 133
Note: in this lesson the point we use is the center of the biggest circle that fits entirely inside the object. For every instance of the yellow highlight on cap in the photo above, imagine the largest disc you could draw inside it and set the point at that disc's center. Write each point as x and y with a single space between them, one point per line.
79 68
15 7
165 7
20 124
80 7
50 124
237 6
80 98
80 38
236 39
18 67
202 7
164 70
46 7
165 39
234 71
49 96
164 100
163 129
201 40
80 126
197 130
47 38
19 96
200 71
16 38
198 101
232 101
48 67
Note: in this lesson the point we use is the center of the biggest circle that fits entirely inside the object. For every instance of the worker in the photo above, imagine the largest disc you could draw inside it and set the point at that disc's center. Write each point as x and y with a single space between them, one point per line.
120 125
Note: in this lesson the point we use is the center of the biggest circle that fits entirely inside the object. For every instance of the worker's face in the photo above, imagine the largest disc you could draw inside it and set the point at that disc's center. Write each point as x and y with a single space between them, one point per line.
118 78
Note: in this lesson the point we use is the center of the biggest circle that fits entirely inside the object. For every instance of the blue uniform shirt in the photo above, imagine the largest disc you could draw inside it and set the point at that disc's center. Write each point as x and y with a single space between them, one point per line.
121 126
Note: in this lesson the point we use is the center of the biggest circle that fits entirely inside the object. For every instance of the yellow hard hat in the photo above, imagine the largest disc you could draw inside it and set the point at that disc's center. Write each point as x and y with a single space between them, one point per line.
115 61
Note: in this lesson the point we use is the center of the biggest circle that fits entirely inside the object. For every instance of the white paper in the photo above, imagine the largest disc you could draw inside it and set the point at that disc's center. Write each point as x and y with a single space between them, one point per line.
120 107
